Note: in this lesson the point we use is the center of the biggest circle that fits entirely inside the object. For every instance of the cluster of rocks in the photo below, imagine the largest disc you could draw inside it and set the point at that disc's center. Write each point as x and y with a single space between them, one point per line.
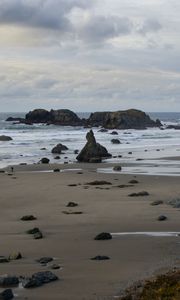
126 119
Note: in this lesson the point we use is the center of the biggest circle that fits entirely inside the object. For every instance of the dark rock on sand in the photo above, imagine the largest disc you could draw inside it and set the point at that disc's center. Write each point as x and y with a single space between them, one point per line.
8 281
92 149
72 204
162 218
44 160
117 168
59 148
5 138
28 218
115 141
56 170
55 267
157 202
6 295
72 212
39 279
100 257
133 181
44 260
103 236
143 193
99 182
38 235
33 230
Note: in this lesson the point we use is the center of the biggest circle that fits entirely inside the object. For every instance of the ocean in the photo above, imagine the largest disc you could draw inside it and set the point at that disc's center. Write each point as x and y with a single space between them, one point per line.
146 145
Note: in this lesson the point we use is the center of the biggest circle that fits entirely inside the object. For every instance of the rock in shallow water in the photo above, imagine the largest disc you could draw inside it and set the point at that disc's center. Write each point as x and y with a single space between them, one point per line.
28 218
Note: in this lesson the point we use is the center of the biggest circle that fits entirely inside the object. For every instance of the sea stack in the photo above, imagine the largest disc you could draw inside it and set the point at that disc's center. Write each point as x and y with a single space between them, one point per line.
92 150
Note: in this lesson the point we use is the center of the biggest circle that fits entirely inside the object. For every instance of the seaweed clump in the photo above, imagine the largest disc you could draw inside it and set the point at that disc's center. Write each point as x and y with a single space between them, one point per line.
163 287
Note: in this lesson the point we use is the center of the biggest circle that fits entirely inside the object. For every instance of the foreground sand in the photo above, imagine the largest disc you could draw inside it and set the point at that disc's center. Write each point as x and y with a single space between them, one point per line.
70 238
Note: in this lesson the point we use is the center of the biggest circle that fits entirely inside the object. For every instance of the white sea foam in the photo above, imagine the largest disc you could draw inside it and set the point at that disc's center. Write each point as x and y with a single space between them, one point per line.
147 233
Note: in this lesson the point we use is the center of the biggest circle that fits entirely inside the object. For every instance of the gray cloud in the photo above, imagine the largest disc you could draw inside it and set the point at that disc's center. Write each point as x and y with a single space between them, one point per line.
47 14
100 28
149 25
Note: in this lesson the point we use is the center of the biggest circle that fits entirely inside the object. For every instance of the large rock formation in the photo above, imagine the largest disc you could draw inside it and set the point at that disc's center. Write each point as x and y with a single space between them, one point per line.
92 150
64 117
127 119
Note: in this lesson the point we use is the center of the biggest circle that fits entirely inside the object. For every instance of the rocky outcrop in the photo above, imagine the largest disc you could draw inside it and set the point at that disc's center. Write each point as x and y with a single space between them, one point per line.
92 149
5 138
127 119
64 117
59 148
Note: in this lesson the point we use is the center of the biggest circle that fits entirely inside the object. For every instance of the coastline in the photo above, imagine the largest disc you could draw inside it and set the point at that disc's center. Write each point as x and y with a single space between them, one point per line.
70 238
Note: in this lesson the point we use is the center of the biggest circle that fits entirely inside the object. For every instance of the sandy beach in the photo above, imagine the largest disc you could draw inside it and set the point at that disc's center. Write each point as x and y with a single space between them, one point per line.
69 238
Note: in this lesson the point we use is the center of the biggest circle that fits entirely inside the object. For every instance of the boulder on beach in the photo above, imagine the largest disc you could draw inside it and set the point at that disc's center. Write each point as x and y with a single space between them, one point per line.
5 138
103 236
59 148
92 149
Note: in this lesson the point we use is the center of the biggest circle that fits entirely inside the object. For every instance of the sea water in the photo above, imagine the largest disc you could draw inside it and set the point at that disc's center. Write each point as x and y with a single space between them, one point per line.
142 149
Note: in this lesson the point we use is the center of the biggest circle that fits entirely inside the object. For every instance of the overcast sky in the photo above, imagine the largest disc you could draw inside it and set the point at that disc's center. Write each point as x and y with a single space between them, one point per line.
89 55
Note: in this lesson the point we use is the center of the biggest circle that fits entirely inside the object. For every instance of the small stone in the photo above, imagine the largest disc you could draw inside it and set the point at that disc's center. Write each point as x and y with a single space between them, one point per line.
44 260
38 235
130 152
33 230
28 218
100 257
99 182
72 204
76 151
117 168
7 295
133 181
114 132
103 236
157 202
162 218
115 141
55 267
56 170
143 193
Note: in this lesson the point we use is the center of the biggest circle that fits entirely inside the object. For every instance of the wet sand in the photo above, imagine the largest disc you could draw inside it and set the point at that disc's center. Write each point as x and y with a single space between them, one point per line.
70 238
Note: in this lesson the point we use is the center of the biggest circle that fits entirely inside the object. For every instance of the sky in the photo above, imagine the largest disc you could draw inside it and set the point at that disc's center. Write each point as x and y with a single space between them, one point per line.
90 55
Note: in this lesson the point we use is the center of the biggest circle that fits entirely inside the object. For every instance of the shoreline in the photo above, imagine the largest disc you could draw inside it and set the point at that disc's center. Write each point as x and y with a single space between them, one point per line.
70 238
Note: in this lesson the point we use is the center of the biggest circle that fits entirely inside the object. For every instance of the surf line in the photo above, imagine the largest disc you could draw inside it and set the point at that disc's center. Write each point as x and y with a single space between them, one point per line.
147 233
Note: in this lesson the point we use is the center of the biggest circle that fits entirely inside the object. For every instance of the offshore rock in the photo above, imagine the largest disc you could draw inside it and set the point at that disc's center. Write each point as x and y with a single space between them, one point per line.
64 117
127 119
92 149
59 148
